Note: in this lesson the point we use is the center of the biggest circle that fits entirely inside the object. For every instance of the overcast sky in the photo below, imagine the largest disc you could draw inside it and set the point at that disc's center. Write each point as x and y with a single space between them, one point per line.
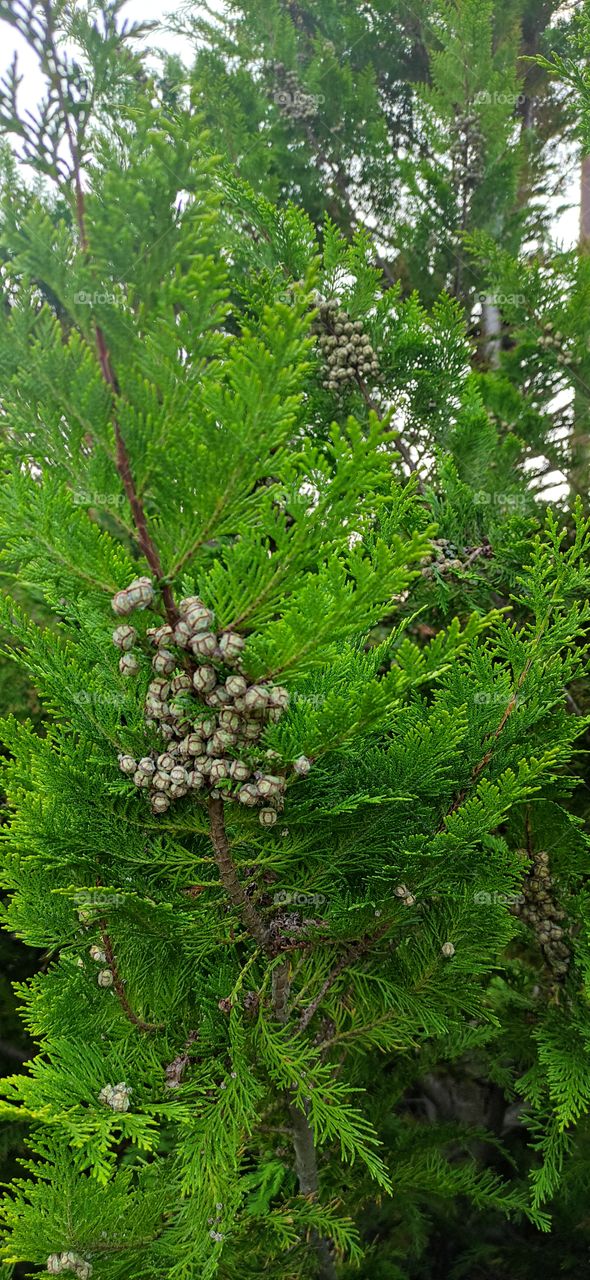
565 227
135 10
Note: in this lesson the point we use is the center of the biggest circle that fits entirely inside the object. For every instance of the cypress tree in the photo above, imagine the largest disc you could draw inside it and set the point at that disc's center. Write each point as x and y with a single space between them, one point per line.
298 834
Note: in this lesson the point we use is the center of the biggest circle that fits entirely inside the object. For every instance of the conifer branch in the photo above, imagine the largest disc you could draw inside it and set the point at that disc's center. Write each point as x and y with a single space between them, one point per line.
295 1061
119 986
302 1135
398 443
122 462
334 974
508 710
229 877
56 80
352 953
354 1033
201 539
303 1140
123 466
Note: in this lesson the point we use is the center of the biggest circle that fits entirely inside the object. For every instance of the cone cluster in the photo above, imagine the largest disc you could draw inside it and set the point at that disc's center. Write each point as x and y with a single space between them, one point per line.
540 911
293 101
442 558
175 1070
466 150
68 1261
105 976
251 1002
345 348
552 340
210 717
116 1096
138 595
402 891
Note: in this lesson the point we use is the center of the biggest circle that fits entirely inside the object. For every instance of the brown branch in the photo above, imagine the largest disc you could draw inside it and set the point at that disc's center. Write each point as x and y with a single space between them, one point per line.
307 1176
312 1008
482 764
398 444
302 1136
281 987
229 877
119 986
123 466
352 953
55 77
122 462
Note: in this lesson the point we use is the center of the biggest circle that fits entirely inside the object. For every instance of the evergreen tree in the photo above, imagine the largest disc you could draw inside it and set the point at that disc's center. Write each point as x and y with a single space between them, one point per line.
437 128
298 835
421 122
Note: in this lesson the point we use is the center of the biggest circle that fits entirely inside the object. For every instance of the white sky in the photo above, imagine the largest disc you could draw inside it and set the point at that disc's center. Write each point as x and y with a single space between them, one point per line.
135 10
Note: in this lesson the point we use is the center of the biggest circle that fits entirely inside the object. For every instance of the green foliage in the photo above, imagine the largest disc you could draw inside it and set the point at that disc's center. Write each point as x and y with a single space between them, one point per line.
284 1002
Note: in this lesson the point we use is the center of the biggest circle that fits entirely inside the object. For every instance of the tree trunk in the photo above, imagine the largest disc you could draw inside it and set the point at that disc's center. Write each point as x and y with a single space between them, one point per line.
491 330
